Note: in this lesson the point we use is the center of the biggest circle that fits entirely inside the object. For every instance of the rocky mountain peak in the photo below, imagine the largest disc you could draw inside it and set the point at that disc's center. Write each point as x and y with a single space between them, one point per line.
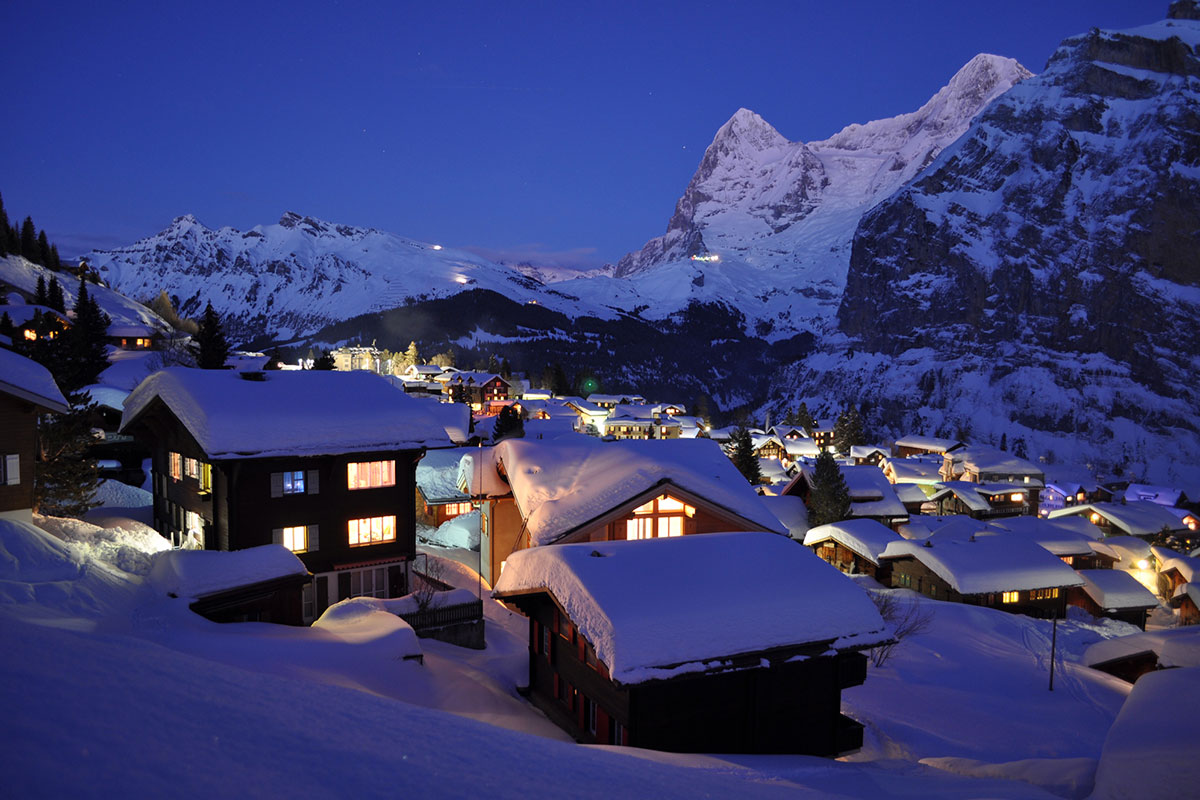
746 129
1184 9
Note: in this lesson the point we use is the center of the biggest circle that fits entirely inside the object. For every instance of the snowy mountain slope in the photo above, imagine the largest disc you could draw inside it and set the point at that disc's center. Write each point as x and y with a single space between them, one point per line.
1057 238
303 273
780 215
23 274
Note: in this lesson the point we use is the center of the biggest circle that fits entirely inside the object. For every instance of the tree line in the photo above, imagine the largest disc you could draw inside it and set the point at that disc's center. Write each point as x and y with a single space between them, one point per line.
28 241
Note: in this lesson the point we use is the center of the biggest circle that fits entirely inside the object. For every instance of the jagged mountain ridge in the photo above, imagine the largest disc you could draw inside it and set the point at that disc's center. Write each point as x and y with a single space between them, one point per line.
302 274
780 215
1043 274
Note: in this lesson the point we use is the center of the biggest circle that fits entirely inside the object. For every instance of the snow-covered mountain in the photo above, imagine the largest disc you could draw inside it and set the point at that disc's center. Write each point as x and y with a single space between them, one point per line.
301 274
777 216
1044 271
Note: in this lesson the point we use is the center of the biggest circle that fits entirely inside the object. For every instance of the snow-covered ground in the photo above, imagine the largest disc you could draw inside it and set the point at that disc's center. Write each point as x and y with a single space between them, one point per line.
111 687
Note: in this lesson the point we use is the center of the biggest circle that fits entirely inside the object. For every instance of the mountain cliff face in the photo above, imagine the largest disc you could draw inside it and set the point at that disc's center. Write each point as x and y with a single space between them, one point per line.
302 274
1046 267
780 215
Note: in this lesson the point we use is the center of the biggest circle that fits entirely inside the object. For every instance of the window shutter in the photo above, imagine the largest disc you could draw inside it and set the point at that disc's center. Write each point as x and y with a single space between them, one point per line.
313 544
277 536
12 469
313 483
276 484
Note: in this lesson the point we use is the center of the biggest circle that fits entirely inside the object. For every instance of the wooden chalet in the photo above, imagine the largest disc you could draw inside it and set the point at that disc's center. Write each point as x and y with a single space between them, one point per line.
1177 570
1140 518
994 467
320 462
134 337
983 500
26 390
921 445
872 455
1187 600
439 497
854 546
640 422
34 322
1079 549
626 646
1113 593
479 390
1002 572
871 495
581 489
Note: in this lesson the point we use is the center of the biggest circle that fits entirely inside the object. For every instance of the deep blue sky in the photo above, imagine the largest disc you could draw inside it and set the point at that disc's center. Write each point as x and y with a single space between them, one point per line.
561 128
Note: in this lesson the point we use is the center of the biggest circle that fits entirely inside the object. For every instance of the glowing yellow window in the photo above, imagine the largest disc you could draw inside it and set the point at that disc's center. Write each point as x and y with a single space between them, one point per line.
372 530
370 474
1010 597
296 539
639 528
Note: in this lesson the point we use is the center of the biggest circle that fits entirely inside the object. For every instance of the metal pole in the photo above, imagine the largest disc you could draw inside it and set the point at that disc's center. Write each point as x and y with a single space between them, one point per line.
1053 645
478 492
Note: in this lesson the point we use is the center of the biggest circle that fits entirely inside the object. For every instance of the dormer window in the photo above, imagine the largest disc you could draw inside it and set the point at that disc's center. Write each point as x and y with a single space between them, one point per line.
662 517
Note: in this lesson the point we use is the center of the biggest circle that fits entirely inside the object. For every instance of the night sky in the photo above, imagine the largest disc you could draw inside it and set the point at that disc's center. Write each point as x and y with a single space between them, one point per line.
561 131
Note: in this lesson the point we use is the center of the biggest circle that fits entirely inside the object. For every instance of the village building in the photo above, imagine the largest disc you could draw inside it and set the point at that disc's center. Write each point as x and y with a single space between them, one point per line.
1078 549
800 448
865 454
1130 657
982 500
1163 495
921 470
790 432
134 337
424 372
1060 495
27 389
1113 593
994 467
483 392
33 322
921 445
640 422
359 357
822 433
1139 518
871 495
321 462
767 446
259 584
439 497
627 647
611 401
1176 570
1001 572
1186 599
854 546
583 489
912 496
591 417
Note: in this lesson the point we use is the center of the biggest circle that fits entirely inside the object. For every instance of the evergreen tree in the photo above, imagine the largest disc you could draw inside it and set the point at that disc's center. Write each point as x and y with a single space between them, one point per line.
29 246
66 478
555 380
493 364
1019 448
805 419
325 362
702 407
214 349
509 425
443 360
6 325
829 498
55 261
1004 441
274 360
743 456
40 297
43 246
848 430
505 369
4 233
54 295
82 352
411 356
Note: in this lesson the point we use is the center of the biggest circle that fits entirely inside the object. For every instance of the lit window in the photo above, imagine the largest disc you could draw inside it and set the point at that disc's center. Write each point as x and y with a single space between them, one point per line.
639 528
293 482
296 539
175 466
661 517
1010 597
1095 518
370 474
454 509
206 477
1017 497
372 530
30 335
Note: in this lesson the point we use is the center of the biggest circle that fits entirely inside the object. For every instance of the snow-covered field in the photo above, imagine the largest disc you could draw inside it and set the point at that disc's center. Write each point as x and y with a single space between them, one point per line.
112 688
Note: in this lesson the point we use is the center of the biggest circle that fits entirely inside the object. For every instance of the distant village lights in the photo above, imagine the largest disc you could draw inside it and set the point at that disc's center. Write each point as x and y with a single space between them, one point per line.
706 257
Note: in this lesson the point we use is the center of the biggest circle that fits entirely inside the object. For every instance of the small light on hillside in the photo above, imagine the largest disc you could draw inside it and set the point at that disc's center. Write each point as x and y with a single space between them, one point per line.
460 278
435 247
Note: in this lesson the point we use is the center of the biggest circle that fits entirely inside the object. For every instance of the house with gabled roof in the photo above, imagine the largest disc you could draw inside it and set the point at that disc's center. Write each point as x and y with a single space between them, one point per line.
869 454
1113 593
321 462
1163 495
1139 518
983 500
923 471
27 389
1001 572
1078 549
627 647
919 445
579 489
479 390
439 497
871 495
640 422
853 546
994 467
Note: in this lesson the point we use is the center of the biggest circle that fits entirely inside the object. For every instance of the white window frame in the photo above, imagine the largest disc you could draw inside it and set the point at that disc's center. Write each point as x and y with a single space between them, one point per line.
11 466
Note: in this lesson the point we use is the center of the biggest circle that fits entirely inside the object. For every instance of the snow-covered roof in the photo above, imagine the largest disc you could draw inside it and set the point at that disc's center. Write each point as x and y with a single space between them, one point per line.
107 396
910 493
987 563
562 484
471 378
871 493
25 378
455 418
310 412
922 526
866 537
1057 540
134 330
1187 566
1113 589
1129 549
1163 495
801 448
867 450
911 470
930 443
994 461
644 609
478 475
1139 518
791 511
197 573
1176 647
550 428
1078 524
20 315
437 475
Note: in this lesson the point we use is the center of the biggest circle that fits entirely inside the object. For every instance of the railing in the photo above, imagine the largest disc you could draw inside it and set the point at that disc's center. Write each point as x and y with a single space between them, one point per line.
446 615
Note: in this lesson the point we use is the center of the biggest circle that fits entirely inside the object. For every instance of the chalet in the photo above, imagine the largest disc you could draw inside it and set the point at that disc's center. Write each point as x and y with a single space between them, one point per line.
439 497
1139 518
1113 593
1163 495
920 445
822 433
33 322
853 546
591 417
991 466
611 401
911 495
871 455
259 584
26 390
1187 599
134 337
640 422
358 357
582 489
1130 657
790 432
1002 572
1061 495
767 447
476 389
321 462
1177 571
871 496
627 647
982 500
424 372
921 470
1080 550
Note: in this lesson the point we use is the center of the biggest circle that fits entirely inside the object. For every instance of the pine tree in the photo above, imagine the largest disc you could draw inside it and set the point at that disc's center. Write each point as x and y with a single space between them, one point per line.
743 456
29 246
325 362
40 297
804 419
4 235
493 364
54 295
66 478
505 369
1004 441
274 360
6 325
848 430
411 356
829 498
1019 448
82 353
43 246
55 261
509 425
214 349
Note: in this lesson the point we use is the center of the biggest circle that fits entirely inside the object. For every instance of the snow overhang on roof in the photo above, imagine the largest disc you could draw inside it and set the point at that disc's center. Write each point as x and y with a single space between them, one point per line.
986 564
288 413
865 537
640 605
28 380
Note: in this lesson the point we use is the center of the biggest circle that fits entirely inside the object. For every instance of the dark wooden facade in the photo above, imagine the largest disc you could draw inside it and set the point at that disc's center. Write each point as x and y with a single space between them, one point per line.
18 449
1078 597
789 706
477 395
851 562
231 502
278 601
910 573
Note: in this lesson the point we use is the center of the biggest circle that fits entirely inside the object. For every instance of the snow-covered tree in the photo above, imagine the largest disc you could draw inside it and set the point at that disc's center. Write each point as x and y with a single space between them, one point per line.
848 430
509 425
829 500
